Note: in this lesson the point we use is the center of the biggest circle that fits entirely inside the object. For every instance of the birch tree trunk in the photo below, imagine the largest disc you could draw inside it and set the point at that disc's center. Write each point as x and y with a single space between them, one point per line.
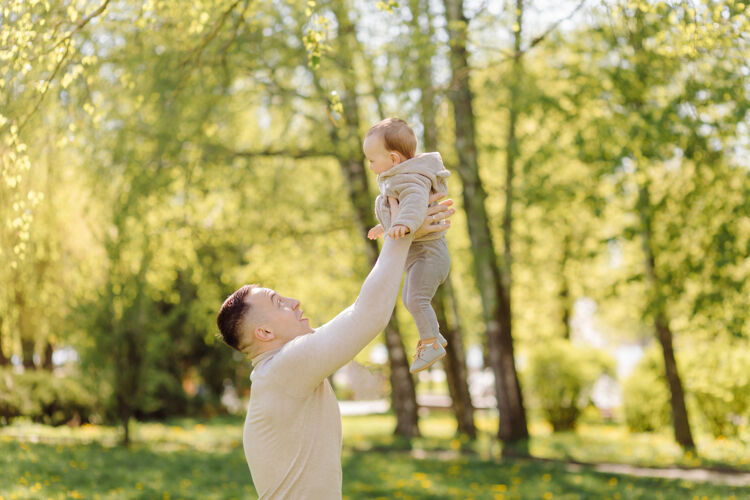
495 296
352 161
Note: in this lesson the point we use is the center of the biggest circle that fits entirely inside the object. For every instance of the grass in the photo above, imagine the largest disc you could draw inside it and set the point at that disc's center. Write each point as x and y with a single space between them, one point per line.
592 442
204 460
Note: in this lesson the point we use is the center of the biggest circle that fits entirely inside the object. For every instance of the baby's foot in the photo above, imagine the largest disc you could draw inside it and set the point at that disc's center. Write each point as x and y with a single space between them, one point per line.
429 352
442 340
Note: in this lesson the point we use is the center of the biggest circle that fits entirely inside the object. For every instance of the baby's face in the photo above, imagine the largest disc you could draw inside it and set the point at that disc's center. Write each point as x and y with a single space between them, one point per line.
380 159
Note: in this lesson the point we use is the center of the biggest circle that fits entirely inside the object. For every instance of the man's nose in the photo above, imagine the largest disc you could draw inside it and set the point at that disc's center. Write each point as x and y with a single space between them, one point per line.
295 303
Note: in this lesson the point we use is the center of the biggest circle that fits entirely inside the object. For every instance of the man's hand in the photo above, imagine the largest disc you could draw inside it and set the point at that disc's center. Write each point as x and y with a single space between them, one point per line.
436 219
376 232
398 231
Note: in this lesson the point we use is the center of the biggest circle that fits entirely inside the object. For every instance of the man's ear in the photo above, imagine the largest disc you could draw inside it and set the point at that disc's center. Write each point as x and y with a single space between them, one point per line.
263 334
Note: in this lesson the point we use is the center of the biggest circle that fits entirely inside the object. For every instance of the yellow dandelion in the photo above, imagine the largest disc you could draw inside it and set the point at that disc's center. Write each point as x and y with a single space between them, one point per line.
547 496
546 478
516 480
419 476
499 487
138 486
75 494
612 481
499 496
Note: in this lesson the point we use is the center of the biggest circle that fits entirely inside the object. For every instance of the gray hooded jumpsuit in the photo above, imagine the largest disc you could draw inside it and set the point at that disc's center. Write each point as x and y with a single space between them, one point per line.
428 262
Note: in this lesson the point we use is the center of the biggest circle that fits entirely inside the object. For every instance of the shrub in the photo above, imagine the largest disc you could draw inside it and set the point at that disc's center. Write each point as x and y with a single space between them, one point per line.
44 397
645 394
719 382
560 377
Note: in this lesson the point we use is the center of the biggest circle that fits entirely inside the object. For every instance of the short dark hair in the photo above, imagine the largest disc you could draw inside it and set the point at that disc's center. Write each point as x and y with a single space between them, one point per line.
397 136
230 316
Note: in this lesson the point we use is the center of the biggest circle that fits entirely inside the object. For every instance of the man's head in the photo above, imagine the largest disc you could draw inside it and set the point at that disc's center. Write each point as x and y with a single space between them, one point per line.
254 320
388 143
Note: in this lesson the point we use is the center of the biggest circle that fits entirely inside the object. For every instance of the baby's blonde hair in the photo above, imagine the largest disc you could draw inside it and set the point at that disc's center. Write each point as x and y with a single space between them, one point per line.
397 136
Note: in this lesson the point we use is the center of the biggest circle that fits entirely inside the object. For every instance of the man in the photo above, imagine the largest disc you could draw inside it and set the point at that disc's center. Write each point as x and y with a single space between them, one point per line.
292 434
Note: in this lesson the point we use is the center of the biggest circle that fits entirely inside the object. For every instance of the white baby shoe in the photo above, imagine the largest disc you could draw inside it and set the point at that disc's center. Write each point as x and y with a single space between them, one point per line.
442 340
428 353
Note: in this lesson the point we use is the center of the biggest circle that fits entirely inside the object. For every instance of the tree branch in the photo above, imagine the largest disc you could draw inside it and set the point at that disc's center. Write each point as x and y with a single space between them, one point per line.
541 37
47 85
199 50
80 25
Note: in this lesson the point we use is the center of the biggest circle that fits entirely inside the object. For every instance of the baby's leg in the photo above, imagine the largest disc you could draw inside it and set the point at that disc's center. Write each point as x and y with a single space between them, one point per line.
427 267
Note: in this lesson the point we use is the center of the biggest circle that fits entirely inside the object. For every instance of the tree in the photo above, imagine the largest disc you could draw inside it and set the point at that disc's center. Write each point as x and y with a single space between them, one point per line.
444 302
492 287
646 93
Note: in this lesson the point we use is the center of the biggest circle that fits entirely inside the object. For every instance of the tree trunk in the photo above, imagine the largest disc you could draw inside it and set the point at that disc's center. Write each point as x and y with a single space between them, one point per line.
4 358
565 289
125 423
455 360
512 428
680 420
27 347
47 357
352 161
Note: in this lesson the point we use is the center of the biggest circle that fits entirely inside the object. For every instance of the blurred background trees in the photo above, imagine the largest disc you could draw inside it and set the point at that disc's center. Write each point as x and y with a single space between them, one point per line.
157 155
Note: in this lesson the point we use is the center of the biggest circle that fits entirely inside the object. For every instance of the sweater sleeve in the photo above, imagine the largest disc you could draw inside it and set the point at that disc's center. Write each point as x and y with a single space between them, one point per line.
413 194
304 362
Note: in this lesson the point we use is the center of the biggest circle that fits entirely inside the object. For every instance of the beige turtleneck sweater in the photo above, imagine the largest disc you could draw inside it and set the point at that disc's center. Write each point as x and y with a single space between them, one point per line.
292 434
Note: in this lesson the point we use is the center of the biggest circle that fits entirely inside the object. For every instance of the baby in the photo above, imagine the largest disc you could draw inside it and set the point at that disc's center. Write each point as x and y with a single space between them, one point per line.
389 147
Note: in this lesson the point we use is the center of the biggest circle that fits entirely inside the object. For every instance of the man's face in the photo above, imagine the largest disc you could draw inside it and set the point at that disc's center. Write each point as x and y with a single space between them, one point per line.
379 158
278 314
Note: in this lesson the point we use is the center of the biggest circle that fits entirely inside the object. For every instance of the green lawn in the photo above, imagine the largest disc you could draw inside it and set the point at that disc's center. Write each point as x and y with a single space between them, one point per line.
204 460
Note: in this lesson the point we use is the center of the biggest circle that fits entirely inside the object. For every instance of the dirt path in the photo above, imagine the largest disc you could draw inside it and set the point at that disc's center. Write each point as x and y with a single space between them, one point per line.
696 475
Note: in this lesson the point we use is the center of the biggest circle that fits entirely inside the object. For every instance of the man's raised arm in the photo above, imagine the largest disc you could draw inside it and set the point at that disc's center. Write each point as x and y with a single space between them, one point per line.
304 362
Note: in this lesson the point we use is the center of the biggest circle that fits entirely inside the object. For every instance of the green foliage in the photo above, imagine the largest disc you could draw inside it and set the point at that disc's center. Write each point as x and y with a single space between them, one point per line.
645 394
559 378
718 379
45 397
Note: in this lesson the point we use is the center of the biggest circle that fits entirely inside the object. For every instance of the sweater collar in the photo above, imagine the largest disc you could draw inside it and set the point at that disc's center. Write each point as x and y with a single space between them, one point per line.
264 355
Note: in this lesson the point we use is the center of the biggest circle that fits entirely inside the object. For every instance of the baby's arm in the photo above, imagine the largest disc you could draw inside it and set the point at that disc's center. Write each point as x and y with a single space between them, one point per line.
413 197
